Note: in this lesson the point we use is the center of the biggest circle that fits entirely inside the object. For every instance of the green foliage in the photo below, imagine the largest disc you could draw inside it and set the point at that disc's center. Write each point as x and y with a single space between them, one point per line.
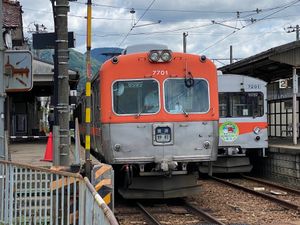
77 62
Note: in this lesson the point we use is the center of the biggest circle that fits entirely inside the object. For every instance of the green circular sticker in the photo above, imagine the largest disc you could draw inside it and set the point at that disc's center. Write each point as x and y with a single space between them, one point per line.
228 131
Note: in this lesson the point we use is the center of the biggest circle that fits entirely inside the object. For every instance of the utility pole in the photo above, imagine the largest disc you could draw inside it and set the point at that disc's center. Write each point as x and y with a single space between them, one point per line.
56 152
2 91
231 55
291 29
63 109
185 34
88 163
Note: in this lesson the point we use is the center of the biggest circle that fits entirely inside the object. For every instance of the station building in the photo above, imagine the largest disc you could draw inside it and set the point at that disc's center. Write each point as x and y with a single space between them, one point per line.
26 111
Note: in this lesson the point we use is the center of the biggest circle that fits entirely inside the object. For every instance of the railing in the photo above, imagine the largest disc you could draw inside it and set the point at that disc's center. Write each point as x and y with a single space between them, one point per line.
33 195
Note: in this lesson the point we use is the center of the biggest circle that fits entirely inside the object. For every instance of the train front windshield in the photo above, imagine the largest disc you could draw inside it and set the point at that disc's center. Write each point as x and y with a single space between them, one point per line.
180 98
241 104
135 97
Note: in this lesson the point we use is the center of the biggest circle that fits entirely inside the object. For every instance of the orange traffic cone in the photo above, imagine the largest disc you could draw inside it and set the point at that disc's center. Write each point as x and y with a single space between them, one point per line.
49 149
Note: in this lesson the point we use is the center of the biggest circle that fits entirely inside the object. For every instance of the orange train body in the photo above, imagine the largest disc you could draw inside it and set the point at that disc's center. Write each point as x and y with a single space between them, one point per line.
137 66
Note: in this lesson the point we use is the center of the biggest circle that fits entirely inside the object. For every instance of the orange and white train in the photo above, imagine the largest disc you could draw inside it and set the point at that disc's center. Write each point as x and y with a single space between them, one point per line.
155 119
243 122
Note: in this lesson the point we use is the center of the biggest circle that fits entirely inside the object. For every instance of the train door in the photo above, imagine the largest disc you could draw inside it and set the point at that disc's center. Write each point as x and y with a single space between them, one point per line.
96 124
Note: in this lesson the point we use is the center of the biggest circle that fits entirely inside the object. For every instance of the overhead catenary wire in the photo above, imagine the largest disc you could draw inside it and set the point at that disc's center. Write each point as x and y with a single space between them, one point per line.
125 37
186 10
260 19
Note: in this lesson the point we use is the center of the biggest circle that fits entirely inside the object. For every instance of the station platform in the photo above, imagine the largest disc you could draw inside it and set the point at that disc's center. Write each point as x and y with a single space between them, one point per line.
284 143
282 163
32 153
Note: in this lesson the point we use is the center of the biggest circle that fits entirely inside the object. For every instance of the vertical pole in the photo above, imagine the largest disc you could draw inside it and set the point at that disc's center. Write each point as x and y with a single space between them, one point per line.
2 92
88 91
184 41
231 55
295 92
297 32
56 160
61 10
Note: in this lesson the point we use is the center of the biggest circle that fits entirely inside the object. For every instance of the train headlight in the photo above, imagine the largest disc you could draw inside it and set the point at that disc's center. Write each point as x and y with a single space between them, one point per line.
206 144
166 56
154 56
160 56
256 130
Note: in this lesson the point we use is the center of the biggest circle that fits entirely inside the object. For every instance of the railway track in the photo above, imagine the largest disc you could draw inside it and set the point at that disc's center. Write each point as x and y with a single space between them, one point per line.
178 212
197 212
264 182
286 203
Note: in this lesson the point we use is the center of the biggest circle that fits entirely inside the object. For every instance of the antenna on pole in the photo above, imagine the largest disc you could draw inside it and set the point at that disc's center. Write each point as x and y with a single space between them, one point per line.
132 12
292 29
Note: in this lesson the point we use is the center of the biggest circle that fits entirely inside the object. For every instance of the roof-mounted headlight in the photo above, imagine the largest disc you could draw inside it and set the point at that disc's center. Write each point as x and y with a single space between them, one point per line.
154 56
166 55
160 56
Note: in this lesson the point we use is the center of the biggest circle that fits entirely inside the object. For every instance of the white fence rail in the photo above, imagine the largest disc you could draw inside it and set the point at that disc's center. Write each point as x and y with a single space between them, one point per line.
33 195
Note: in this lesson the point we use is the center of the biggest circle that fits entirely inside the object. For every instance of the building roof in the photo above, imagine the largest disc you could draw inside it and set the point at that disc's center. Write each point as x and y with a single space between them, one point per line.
270 65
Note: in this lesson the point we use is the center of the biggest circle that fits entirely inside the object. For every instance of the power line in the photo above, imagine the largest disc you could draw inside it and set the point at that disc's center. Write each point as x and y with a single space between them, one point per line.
187 10
125 37
77 16
263 18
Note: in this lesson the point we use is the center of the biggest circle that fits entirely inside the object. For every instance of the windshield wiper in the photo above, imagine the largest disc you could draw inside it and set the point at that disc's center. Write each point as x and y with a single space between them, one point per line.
138 114
184 112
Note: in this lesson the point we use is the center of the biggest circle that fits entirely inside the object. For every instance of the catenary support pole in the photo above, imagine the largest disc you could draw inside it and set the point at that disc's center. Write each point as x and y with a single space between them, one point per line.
295 92
2 91
185 34
231 55
56 160
88 91
63 109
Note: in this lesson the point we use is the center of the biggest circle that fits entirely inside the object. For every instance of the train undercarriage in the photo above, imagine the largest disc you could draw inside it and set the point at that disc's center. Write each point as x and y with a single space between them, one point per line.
147 182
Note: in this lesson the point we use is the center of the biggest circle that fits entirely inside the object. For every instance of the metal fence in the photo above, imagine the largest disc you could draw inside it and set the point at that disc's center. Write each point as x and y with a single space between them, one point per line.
33 195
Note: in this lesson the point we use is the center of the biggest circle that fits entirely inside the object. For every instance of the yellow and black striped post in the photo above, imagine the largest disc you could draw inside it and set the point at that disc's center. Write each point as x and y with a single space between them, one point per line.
102 180
88 163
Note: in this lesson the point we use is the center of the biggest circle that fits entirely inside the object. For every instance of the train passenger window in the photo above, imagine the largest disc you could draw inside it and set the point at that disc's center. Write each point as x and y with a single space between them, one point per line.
182 99
136 97
241 104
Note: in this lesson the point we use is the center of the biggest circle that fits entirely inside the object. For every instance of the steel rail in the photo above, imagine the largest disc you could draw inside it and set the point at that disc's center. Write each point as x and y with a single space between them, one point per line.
272 184
204 215
283 203
152 218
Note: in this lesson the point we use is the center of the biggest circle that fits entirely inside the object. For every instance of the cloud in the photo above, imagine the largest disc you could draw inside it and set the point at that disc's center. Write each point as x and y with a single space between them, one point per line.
112 24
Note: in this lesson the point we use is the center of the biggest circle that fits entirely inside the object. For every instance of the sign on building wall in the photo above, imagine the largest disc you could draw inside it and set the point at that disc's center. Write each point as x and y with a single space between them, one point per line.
18 71
283 83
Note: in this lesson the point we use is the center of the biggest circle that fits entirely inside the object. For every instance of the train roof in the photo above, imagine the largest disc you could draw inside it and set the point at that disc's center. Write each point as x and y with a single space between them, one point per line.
143 48
238 82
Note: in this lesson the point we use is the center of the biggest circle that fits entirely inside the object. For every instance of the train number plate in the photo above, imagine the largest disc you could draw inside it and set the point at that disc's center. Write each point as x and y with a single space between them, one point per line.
162 135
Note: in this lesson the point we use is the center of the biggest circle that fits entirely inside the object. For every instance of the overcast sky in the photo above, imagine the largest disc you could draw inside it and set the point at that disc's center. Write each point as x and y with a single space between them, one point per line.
250 26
